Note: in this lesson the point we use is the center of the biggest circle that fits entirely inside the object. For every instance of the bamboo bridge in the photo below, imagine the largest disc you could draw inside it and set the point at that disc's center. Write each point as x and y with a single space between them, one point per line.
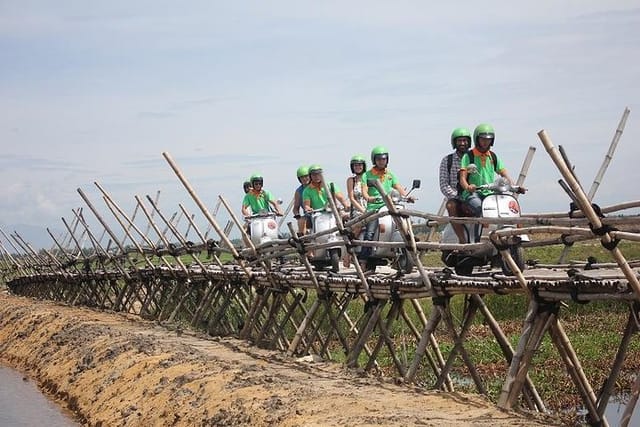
272 295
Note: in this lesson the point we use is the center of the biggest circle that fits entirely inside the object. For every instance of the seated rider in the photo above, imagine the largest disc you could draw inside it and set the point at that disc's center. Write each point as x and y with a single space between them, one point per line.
389 181
303 178
314 195
257 200
449 172
487 164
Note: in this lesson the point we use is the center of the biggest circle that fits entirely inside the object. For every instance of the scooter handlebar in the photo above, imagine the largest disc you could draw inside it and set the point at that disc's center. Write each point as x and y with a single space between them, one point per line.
502 188
262 215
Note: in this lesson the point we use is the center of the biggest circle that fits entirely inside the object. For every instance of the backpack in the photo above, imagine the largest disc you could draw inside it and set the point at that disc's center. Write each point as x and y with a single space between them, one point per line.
494 159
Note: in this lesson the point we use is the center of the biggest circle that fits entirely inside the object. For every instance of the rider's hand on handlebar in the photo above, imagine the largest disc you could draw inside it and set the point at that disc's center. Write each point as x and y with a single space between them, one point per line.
471 188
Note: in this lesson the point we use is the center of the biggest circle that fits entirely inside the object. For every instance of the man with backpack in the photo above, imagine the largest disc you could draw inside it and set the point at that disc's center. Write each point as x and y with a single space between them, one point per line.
487 164
449 172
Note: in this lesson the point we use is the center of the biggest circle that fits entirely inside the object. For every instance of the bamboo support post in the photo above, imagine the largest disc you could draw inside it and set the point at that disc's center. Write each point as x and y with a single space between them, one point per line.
594 220
406 233
568 355
373 318
348 243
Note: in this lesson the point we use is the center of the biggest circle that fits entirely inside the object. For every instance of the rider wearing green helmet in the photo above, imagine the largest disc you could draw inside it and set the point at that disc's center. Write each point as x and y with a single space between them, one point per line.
487 164
484 130
258 199
448 176
358 166
303 178
388 181
315 196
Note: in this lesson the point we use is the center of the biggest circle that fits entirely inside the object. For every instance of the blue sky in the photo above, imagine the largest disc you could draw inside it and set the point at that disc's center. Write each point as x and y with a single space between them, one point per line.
96 91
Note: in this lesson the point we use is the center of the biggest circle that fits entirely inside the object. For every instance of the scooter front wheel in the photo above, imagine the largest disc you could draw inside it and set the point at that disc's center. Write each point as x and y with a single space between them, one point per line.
335 260
517 253
405 262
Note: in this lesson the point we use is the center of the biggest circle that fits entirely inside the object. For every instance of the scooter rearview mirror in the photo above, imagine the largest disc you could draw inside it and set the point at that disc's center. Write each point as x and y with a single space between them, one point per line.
472 168
371 183
416 184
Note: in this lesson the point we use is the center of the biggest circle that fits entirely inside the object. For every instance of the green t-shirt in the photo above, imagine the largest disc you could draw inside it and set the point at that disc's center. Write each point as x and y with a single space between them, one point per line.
388 180
258 202
317 196
486 171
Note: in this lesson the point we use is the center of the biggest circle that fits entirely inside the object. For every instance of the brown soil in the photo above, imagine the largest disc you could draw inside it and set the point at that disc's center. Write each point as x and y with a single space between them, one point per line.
118 370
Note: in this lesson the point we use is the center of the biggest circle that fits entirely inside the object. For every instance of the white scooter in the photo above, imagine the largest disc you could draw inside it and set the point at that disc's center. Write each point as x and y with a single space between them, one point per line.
387 231
500 204
262 227
322 220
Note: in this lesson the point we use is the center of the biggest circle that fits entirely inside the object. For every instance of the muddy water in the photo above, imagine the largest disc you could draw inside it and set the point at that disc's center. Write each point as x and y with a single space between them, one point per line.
22 404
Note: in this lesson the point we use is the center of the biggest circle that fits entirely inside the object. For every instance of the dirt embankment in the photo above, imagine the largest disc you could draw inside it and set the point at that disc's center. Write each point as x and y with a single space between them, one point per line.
116 370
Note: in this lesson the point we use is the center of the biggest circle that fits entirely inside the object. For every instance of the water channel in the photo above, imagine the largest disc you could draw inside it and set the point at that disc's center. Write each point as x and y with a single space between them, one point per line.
23 405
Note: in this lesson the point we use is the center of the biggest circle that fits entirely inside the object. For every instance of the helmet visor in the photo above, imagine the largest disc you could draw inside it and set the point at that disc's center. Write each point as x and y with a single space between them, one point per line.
486 135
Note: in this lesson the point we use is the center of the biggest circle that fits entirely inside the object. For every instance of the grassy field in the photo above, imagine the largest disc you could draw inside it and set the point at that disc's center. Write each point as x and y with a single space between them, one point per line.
594 329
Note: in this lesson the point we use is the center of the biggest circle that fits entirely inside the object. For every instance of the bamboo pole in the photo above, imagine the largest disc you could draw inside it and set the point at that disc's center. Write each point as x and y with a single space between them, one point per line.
603 168
507 350
205 211
607 158
562 343
406 234
633 400
347 240
588 210
373 318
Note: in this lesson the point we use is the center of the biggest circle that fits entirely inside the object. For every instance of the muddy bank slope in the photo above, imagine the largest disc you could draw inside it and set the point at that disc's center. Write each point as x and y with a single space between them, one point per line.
115 369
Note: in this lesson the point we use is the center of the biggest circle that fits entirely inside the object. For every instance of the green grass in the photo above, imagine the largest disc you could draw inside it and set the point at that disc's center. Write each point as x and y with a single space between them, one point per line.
594 329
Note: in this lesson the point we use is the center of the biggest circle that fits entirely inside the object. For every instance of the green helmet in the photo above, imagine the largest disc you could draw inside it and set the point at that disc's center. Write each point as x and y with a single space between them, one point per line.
358 160
484 130
315 169
302 171
378 151
256 177
459 133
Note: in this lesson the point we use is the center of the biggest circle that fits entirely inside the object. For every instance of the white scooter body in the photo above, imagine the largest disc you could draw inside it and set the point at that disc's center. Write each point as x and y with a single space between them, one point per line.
263 227
322 220
387 231
501 204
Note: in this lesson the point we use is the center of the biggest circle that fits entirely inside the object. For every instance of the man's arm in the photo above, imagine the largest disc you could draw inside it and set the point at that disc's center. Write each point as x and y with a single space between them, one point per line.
297 204
276 206
464 183
445 186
